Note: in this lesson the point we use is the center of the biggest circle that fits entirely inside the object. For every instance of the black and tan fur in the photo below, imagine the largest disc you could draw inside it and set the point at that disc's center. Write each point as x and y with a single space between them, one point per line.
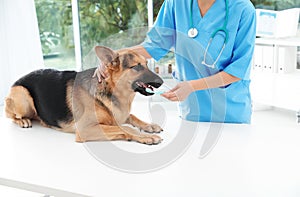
75 102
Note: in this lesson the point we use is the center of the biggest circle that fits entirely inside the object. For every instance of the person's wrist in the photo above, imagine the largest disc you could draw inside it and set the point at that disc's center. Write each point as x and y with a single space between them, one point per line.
198 84
193 85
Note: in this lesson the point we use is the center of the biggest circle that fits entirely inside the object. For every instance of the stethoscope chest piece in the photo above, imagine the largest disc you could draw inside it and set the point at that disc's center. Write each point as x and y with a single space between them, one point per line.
193 32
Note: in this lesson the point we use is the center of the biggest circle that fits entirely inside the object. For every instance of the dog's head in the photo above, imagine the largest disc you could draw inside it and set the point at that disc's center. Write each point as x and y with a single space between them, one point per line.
128 69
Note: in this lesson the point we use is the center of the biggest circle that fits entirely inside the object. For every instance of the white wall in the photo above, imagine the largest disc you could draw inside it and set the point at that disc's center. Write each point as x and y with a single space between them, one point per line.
20 48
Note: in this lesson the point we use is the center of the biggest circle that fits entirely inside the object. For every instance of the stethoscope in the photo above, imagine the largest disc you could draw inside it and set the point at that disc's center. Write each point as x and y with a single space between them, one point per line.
193 32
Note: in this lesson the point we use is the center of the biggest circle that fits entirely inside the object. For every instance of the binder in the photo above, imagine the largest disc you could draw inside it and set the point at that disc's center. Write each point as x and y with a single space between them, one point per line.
268 63
258 58
264 58
287 59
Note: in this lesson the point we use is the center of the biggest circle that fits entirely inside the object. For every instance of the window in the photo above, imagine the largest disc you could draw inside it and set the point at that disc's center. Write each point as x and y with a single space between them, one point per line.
56 33
276 4
113 23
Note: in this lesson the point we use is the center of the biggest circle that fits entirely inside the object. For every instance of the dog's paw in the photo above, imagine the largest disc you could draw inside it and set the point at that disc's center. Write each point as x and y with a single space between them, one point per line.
24 122
152 128
149 139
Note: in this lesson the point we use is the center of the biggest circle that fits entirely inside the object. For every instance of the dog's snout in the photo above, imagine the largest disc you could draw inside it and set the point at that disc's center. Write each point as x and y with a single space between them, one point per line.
158 80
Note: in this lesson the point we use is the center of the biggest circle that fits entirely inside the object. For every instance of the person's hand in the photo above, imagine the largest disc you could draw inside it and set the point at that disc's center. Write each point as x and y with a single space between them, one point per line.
180 92
100 72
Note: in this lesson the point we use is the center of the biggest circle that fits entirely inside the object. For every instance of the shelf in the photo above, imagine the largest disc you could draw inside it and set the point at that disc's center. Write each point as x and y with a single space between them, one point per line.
280 85
276 89
290 41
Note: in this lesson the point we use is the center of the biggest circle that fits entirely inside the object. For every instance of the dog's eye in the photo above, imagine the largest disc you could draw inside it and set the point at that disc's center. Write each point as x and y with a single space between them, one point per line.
138 67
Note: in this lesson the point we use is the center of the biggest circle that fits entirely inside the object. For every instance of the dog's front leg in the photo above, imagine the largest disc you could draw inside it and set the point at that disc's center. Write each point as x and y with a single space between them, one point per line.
101 132
151 128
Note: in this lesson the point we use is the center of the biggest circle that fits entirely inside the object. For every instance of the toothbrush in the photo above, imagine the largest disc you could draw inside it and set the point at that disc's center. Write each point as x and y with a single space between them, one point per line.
155 92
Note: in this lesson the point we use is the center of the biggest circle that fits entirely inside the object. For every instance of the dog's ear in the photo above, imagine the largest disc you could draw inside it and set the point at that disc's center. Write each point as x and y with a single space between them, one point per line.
108 57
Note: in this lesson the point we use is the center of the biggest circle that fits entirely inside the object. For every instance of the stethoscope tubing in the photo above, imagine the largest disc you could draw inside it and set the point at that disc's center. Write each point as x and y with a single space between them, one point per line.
192 33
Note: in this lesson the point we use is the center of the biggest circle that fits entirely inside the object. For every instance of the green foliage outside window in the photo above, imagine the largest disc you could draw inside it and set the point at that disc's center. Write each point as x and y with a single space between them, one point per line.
276 4
101 19
114 23
101 22
55 22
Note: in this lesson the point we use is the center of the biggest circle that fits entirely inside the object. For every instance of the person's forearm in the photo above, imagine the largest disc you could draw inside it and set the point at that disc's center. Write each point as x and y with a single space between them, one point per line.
218 80
139 49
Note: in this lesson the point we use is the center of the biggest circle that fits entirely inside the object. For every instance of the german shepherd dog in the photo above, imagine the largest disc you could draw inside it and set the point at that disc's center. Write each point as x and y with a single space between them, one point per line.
76 102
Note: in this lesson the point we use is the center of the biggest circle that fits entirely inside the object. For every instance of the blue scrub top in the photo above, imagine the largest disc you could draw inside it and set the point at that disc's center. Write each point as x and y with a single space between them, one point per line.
232 103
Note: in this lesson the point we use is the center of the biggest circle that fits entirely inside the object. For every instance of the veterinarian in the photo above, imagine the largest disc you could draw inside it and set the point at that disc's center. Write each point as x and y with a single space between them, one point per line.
213 41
